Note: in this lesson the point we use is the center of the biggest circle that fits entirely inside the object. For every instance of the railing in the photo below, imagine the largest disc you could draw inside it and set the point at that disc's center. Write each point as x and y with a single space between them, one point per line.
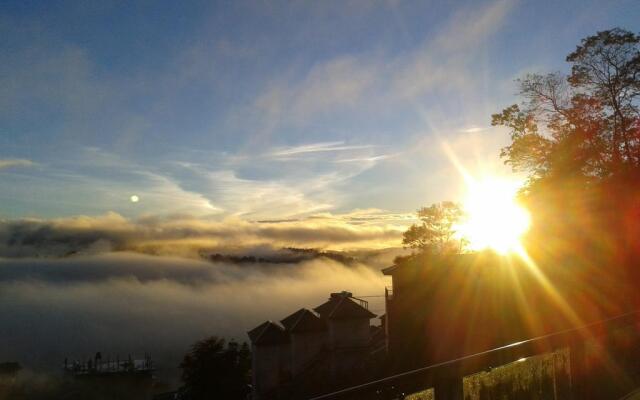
610 356
363 303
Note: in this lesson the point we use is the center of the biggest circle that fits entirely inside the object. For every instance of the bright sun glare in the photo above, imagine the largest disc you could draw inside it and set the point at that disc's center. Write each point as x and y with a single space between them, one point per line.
494 219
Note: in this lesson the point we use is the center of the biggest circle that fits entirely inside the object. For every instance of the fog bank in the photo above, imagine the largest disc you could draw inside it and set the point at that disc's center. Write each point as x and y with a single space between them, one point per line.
121 303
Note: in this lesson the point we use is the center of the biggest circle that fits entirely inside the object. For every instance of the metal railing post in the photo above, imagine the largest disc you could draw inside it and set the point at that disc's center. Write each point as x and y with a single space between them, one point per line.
448 384
577 364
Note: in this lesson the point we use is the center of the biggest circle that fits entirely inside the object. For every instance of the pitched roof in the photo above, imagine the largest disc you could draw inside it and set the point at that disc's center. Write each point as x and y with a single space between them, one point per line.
292 319
257 331
268 333
342 307
327 307
347 308
303 320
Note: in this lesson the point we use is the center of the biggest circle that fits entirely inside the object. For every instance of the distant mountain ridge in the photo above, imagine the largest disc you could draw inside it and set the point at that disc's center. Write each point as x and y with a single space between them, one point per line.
288 255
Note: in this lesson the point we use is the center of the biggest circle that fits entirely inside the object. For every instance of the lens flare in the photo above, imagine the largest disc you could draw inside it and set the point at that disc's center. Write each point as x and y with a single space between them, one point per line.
494 219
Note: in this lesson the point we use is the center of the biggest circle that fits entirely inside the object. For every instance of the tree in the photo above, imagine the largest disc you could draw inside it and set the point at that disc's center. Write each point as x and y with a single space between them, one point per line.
585 125
435 232
212 370
577 136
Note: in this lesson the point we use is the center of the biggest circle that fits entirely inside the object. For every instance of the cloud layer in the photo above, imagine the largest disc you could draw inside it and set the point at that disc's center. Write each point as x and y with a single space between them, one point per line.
188 236
130 303
72 286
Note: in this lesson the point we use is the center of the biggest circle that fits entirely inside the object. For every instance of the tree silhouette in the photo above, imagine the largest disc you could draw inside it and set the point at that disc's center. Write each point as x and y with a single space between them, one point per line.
577 137
212 370
435 232
585 125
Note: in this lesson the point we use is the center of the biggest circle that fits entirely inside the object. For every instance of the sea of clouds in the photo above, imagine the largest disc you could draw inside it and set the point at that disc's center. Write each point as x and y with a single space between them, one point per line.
72 287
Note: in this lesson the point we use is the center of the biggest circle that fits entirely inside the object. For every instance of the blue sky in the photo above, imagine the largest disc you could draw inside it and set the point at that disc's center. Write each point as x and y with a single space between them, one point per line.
265 110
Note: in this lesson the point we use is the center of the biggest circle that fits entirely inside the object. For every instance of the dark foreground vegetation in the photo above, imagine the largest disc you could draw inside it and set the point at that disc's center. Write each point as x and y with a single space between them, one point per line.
214 368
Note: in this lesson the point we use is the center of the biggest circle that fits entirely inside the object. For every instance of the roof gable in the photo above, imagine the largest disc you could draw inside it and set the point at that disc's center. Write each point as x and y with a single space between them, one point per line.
289 321
349 309
268 333
255 333
327 307
303 320
308 322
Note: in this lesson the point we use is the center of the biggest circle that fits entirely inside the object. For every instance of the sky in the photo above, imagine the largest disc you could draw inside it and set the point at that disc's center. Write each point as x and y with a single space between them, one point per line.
265 110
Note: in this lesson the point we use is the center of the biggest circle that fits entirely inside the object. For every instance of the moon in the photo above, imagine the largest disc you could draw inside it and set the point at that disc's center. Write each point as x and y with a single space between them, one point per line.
134 198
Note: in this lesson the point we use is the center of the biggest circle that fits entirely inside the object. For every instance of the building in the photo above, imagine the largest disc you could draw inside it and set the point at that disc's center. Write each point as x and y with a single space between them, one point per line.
311 351
443 307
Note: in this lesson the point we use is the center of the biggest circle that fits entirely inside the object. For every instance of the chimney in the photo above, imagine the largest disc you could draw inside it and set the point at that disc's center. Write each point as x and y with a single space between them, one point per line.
342 294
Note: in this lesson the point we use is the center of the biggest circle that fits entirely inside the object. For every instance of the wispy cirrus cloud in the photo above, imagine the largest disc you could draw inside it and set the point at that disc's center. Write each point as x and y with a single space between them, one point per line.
448 60
93 181
261 198
374 83
335 83
473 129
371 159
321 147
15 162
279 182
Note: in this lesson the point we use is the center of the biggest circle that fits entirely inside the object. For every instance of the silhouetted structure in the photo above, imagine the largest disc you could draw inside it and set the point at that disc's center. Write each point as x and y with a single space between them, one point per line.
443 307
313 350
99 367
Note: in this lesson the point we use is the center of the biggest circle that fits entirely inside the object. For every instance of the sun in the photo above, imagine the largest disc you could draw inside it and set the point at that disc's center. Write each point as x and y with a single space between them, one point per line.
493 217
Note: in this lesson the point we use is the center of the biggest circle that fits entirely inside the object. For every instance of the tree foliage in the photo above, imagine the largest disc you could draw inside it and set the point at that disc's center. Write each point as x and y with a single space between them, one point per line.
214 369
584 125
577 136
436 230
